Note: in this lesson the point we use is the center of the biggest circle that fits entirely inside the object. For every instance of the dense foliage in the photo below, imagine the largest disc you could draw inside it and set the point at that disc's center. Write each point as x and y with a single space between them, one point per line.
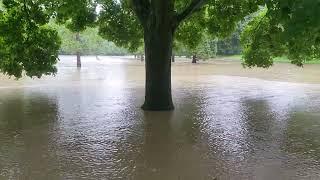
26 42
119 24
75 14
284 28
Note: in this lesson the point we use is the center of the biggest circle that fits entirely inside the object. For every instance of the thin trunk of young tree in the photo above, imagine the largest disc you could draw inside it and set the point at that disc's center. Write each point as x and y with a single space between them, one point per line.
173 58
194 59
78 51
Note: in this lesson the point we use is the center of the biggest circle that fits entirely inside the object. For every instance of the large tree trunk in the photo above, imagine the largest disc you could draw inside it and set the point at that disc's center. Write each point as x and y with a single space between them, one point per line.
78 51
158 39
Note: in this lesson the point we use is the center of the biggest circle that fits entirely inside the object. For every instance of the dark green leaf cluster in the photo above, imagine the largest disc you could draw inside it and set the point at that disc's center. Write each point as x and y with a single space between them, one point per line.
191 33
26 42
119 24
223 15
285 28
76 14
217 19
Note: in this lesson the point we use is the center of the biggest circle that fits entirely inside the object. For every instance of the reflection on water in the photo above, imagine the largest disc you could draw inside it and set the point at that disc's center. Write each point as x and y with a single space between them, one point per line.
87 124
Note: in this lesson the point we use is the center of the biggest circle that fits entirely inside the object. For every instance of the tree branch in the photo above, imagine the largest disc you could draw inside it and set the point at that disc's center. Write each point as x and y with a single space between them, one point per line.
194 6
142 9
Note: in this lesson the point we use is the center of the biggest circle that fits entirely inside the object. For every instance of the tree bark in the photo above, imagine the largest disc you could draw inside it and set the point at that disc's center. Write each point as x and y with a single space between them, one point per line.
159 21
78 51
158 72
194 58
158 39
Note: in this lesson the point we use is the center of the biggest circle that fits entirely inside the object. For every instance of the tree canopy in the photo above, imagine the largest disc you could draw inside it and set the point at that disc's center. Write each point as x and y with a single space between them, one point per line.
119 24
284 27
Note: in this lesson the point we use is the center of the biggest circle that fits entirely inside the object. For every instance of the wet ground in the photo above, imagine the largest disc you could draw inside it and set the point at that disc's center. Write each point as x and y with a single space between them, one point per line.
229 123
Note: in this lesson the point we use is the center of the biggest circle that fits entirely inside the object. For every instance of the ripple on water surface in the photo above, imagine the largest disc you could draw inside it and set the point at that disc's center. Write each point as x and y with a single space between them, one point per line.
87 124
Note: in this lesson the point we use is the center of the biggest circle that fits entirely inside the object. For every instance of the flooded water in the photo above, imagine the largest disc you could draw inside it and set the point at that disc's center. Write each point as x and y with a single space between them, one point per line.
229 123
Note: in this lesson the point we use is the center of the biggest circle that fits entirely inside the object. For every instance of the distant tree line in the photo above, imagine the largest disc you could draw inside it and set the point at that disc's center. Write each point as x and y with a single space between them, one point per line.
229 46
212 47
91 43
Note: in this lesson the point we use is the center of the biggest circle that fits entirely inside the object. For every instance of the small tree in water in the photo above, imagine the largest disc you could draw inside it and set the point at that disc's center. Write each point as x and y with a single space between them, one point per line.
76 15
78 53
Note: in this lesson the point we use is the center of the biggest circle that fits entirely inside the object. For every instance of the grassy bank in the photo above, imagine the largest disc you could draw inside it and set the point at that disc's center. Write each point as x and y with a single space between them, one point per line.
276 60
286 60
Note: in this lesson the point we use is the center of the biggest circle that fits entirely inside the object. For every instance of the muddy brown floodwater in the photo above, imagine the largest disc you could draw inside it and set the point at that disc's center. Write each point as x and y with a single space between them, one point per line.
229 123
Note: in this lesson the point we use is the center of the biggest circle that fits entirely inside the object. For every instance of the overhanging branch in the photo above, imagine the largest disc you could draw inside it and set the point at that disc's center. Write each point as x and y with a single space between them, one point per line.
194 6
